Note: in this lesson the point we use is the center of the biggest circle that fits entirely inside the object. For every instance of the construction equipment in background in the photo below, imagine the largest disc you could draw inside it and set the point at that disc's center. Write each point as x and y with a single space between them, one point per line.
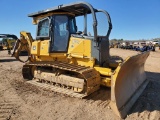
7 42
138 46
71 62
22 46
114 45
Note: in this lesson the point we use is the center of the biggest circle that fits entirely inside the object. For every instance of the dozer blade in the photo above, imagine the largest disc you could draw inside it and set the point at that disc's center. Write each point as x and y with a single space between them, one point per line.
128 82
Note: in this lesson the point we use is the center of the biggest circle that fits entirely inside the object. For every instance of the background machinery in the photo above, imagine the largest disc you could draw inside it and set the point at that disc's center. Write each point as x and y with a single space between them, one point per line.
75 63
7 42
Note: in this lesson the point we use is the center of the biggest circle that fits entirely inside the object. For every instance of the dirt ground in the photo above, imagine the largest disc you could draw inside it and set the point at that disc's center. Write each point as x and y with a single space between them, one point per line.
22 101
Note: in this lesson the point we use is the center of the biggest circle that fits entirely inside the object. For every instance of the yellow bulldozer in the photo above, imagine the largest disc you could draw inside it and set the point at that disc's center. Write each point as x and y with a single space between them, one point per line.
7 42
76 64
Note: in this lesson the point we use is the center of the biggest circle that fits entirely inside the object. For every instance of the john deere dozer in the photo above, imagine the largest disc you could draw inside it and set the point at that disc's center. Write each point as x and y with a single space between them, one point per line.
7 42
76 64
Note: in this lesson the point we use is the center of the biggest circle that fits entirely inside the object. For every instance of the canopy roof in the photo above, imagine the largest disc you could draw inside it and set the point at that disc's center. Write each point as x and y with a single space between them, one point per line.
76 8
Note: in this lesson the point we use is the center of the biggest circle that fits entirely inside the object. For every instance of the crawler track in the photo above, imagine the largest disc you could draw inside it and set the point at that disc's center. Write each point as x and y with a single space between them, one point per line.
82 82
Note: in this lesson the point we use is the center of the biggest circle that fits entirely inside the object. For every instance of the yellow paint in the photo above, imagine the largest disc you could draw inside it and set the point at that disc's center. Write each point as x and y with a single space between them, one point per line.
80 48
106 81
84 62
26 38
35 48
58 55
105 75
44 47
104 71
79 51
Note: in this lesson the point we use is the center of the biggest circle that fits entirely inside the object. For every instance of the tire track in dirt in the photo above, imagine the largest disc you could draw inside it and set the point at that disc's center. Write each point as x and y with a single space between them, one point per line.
11 102
7 110
8 104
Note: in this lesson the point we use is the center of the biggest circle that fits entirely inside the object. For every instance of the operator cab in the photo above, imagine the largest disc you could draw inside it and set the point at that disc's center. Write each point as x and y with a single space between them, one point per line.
57 28
58 25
